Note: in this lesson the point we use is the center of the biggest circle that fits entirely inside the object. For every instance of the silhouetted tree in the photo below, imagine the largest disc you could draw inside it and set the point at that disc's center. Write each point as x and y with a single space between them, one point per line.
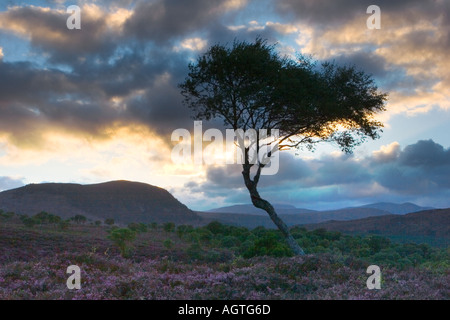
250 86
123 237
109 221
79 218
169 227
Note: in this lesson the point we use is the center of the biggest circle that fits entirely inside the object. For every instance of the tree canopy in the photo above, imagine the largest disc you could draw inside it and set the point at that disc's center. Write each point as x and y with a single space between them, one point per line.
249 85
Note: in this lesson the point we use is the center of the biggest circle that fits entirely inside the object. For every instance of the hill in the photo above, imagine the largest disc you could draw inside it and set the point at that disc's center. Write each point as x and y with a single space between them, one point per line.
250 209
394 208
291 219
430 223
283 209
123 201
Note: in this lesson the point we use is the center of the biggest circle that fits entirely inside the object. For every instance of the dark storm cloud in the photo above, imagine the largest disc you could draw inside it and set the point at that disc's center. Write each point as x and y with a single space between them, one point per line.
104 65
367 61
421 168
324 13
425 154
33 100
163 20
48 31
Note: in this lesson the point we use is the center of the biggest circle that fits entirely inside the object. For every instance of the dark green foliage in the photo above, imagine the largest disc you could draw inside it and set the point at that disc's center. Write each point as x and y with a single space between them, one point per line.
40 218
6 215
183 230
216 228
153 225
195 252
169 227
204 235
168 244
138 227
298 232
63 225
98 222
45 217
79 218
376 243
230 242
123 237
266 242
109 221
29 222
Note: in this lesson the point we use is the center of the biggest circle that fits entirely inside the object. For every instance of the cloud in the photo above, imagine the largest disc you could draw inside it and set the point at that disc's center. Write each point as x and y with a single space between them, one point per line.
408 55
426 154
120 72
328 14
46 30
417 172
387 153
163 20
7 183
193 44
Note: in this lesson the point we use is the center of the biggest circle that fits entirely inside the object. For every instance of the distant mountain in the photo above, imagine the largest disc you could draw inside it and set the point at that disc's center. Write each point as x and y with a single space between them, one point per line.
123 201
283 209
250 209
394 208
432 223
255 220
248 216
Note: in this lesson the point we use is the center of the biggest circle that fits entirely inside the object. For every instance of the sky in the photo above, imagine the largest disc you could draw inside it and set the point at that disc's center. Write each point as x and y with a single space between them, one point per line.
100 103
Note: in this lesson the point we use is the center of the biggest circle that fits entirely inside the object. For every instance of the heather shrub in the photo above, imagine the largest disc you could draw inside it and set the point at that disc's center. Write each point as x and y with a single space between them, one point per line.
218 256
63 225
182 230
216 269
168 244
195 252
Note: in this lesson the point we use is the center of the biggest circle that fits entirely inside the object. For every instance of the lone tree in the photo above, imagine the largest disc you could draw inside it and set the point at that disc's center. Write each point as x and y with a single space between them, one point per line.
250 86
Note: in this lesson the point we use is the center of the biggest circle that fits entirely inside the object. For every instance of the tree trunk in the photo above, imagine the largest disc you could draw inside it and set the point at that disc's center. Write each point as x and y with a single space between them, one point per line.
258 202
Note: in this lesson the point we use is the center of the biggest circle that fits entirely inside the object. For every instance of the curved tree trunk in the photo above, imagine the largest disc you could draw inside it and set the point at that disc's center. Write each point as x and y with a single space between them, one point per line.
258 202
